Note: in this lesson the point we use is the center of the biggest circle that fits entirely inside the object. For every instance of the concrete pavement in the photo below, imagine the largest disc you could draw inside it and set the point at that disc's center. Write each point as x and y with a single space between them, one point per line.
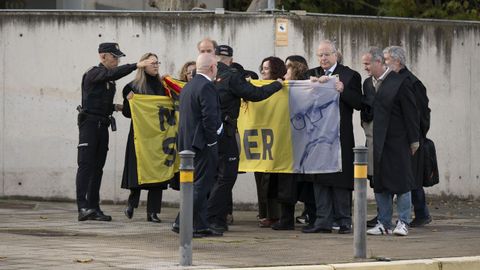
46 235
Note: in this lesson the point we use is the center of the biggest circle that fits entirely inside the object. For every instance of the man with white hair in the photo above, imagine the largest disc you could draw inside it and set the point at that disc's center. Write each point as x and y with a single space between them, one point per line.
333 191
395 59
390 116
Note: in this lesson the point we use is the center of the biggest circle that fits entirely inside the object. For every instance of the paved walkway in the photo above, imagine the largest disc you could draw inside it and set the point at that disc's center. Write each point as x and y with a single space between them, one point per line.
46 235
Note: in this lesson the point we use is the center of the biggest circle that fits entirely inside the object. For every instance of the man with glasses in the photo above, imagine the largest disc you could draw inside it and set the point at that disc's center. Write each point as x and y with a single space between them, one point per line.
333 191
95 115
315 127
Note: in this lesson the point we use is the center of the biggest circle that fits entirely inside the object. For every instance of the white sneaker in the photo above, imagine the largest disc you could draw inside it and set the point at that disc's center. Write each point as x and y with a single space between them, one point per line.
401 229
335 226
379 230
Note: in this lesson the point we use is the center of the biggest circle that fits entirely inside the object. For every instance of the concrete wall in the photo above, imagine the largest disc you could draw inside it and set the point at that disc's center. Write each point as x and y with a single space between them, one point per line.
44 54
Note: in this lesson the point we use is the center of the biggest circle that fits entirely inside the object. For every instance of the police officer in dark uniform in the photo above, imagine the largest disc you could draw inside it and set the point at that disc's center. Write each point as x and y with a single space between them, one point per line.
95 115
232 87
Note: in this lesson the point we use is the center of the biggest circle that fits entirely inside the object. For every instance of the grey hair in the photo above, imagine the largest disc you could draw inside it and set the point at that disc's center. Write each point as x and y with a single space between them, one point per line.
331 43
397 53
377 54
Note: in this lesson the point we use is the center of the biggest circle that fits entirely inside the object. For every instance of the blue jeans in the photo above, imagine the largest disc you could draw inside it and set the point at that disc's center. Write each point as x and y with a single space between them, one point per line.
419 204
385 207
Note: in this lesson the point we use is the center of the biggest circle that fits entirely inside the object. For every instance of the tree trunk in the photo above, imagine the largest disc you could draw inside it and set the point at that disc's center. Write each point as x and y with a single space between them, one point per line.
256 5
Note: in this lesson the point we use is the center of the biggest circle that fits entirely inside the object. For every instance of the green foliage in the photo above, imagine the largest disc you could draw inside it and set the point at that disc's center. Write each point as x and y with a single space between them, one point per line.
438 9
457 10
329 6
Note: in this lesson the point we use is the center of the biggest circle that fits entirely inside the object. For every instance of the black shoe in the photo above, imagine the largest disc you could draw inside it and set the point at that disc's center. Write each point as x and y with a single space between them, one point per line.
128 211
344 229
175 228
207 233
100 216
152 217
315 229
283 226
372 222
85 214
219 228
419 222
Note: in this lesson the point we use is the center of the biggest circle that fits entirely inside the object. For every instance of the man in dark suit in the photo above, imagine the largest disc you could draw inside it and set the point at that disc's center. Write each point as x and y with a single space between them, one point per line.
395 59
199 129
333 191
395 139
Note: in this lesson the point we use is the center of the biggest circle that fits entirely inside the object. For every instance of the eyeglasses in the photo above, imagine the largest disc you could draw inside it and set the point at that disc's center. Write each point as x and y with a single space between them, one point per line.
313 114
324 54
156 63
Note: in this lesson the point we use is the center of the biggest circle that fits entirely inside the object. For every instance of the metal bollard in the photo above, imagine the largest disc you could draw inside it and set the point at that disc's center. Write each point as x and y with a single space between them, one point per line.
186 206
360 205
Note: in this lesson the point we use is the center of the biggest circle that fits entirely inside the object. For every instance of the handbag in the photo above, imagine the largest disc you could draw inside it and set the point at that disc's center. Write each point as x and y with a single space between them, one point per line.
430 172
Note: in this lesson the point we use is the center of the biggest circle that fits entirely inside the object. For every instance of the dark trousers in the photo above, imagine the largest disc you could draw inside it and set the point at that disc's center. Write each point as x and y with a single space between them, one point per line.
154 199
205 163
333 204
420 204
304 193
268 206
92 153
307 195
287 215
219 202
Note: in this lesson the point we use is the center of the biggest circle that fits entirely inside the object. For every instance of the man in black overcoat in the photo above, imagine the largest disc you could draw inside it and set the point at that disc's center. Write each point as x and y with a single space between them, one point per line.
333 191
199 129
395 59
232 87
395 140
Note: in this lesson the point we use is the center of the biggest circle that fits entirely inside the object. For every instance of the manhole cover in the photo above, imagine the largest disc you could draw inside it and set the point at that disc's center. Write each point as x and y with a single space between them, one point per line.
45 233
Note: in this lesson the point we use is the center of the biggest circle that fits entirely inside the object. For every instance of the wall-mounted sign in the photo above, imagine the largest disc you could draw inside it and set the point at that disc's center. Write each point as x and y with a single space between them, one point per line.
281 32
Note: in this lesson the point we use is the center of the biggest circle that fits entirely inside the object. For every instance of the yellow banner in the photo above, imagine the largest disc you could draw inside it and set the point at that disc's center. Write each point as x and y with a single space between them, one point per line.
265 138
155 129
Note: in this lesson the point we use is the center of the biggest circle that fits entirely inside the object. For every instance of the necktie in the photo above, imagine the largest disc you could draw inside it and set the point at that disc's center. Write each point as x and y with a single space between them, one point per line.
376 83
328 72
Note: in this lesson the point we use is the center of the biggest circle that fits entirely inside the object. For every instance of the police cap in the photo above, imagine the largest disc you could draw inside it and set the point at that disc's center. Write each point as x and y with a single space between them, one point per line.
224 50
110 47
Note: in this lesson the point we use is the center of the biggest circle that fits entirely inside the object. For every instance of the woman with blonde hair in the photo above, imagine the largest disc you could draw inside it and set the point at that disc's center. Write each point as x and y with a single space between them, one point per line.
296 71
186 73
147 82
